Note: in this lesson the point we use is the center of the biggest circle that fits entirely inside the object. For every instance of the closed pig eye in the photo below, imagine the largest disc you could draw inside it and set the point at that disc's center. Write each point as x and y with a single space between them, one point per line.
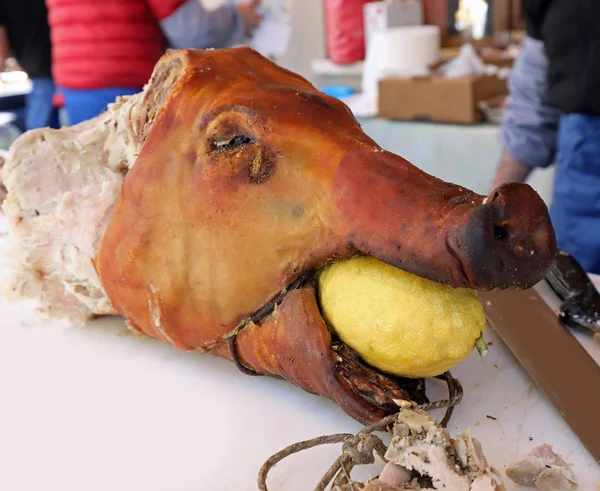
231 142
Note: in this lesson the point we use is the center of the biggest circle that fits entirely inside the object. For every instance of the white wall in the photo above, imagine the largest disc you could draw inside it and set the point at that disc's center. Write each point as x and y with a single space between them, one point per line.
308 37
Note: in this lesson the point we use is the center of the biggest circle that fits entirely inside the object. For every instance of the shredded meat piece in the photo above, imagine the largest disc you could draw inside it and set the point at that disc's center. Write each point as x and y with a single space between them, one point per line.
544 469
423 456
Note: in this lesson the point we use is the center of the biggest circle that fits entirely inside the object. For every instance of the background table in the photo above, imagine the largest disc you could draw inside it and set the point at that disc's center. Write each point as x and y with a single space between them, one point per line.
463 154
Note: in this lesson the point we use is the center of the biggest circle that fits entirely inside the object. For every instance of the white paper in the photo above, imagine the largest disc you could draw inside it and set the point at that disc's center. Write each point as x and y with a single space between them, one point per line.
272 37
401 51
362 105
468 62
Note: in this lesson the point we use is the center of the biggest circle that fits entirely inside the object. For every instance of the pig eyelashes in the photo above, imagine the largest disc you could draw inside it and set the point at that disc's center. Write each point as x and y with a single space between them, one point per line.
231 142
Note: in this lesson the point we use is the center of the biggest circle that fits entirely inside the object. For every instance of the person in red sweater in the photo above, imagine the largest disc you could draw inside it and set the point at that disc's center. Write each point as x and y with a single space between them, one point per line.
102 49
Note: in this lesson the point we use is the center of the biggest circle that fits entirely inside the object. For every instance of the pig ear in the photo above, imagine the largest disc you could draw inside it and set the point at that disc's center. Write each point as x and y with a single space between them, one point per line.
169 70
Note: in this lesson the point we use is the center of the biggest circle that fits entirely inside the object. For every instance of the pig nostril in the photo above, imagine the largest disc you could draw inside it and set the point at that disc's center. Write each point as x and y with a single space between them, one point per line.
500 233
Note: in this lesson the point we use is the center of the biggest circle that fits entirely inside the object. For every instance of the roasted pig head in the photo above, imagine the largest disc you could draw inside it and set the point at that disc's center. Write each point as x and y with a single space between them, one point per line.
247 180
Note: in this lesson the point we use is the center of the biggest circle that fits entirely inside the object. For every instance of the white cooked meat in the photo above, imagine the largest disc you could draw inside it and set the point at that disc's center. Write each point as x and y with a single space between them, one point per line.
2 187
544 469
394 474
422 445
62 186
423 448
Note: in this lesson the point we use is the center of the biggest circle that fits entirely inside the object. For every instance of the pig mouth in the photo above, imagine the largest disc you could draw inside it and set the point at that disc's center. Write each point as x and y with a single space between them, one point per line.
382 391
459 266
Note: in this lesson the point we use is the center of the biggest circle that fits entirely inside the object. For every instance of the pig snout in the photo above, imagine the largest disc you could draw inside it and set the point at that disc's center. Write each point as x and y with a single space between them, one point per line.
391 210
508 240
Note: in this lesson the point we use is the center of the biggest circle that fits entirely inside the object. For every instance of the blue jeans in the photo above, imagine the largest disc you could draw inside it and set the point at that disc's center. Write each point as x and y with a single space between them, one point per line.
85 104
576 208
39 111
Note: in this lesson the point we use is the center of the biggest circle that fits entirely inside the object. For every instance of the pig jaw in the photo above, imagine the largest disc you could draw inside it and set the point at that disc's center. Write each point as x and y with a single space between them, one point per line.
294 343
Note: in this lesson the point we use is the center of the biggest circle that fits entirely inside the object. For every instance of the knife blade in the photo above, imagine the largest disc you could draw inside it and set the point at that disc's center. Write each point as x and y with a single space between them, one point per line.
580 299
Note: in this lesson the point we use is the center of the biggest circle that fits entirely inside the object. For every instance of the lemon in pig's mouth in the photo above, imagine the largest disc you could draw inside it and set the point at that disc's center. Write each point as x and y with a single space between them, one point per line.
397 322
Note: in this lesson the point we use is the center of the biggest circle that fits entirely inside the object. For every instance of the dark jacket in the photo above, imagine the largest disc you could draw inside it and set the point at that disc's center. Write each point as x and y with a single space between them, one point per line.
26 24
570 31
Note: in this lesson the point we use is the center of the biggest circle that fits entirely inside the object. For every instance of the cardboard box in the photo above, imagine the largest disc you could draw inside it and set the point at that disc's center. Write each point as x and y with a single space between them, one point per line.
444 100
380 16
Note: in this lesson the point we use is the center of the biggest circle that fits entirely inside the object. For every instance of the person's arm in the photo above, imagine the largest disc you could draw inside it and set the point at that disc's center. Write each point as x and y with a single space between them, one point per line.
4 47
510 170
193 26
529 129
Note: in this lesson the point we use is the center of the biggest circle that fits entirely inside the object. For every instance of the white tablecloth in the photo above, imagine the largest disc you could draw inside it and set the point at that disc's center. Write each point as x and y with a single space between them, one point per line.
95 408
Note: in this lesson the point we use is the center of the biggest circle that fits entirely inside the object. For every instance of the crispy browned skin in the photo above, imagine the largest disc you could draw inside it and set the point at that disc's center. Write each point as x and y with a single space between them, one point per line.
203 236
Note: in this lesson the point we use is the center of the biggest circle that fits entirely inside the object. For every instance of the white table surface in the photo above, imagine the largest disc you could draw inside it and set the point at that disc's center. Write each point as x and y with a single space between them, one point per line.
95 408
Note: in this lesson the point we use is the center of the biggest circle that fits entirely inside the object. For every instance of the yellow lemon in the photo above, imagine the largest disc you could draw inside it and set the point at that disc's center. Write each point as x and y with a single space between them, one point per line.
398 322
